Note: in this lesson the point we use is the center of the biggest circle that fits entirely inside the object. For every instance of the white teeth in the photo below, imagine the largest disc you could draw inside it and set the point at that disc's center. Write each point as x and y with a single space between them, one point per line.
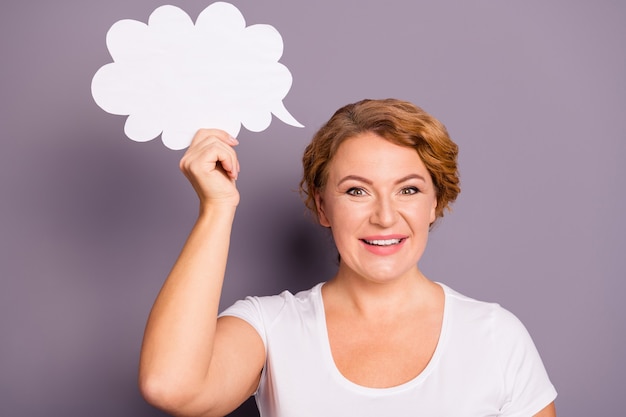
386 242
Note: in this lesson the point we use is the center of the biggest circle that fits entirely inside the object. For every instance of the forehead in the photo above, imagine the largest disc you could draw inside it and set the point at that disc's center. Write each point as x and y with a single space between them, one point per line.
371 154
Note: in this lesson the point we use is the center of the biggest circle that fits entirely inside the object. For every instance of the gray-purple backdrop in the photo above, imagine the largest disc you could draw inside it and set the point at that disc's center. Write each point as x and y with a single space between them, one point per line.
534 93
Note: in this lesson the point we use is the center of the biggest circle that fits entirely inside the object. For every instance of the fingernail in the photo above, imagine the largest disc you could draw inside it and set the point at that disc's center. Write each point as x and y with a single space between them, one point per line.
233 140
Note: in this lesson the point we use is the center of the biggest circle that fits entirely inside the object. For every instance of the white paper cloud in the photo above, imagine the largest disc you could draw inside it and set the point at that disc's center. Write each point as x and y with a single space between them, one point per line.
172 77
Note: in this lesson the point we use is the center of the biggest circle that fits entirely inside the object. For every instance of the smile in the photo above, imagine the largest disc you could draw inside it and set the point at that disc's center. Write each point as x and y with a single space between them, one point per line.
383 242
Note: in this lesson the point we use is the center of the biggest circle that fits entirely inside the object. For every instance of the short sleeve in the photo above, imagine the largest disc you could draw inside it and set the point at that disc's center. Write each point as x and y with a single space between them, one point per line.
527 385
259 312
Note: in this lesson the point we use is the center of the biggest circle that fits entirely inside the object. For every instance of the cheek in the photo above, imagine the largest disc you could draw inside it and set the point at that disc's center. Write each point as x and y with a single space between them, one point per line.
345 222
336 215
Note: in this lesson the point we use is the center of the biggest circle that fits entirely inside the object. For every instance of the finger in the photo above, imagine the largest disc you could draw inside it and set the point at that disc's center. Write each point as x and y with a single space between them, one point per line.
207 138
227 157
204 134
205 155
229 163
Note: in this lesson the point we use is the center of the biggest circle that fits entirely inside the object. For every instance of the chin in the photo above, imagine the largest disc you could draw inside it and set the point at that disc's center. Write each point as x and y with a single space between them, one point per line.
384 275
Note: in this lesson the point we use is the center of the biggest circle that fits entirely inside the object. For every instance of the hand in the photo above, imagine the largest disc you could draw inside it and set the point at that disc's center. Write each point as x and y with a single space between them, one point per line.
211 166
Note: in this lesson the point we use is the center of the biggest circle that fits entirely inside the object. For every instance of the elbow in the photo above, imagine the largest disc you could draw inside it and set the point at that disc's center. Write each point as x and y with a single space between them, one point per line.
162 394
172 397
159 393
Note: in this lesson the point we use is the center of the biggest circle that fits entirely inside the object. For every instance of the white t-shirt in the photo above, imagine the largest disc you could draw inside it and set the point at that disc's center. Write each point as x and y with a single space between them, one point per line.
485 364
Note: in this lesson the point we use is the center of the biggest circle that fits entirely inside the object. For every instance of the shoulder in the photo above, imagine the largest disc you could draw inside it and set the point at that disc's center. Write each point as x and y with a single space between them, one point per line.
273 305
262 312
470 308
489 318
496 329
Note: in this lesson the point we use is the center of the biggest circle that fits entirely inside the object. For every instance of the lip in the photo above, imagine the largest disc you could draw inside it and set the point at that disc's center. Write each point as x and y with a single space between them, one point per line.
383 250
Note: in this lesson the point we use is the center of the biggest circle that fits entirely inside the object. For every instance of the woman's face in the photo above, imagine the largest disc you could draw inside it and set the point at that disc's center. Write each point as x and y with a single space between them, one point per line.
379 201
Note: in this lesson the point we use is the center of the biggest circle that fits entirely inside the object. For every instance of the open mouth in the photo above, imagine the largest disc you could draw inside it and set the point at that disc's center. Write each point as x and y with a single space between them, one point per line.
383 242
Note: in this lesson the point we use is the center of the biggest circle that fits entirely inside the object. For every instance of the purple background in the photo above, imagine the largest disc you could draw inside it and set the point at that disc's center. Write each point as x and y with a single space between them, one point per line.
534 93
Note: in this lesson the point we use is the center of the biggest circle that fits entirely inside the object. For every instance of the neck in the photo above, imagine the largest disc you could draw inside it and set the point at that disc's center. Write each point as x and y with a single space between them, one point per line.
380 299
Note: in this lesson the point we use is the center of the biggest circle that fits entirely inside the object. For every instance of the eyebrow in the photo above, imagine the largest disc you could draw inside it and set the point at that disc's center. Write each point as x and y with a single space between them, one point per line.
369 182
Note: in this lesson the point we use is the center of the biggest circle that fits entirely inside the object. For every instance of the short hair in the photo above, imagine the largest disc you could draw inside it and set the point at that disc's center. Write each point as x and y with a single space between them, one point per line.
397 121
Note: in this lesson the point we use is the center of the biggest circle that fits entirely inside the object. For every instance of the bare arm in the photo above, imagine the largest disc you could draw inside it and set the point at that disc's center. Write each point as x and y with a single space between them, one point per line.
549 411
190 364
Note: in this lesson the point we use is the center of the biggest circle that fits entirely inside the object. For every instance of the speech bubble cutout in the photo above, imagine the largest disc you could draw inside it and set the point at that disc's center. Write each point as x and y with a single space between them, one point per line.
172 77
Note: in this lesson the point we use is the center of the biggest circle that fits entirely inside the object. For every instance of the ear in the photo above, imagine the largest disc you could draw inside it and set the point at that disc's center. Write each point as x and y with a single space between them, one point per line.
433 211
321 215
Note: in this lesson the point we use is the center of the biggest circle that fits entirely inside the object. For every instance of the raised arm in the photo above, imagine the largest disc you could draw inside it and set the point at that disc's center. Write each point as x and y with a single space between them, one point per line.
549 411
191 364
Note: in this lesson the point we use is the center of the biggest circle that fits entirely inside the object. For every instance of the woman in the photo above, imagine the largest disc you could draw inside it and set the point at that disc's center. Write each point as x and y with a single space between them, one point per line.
379 338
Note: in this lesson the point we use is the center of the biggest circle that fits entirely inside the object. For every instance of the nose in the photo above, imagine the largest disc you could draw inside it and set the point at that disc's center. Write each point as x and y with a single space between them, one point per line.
384 213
